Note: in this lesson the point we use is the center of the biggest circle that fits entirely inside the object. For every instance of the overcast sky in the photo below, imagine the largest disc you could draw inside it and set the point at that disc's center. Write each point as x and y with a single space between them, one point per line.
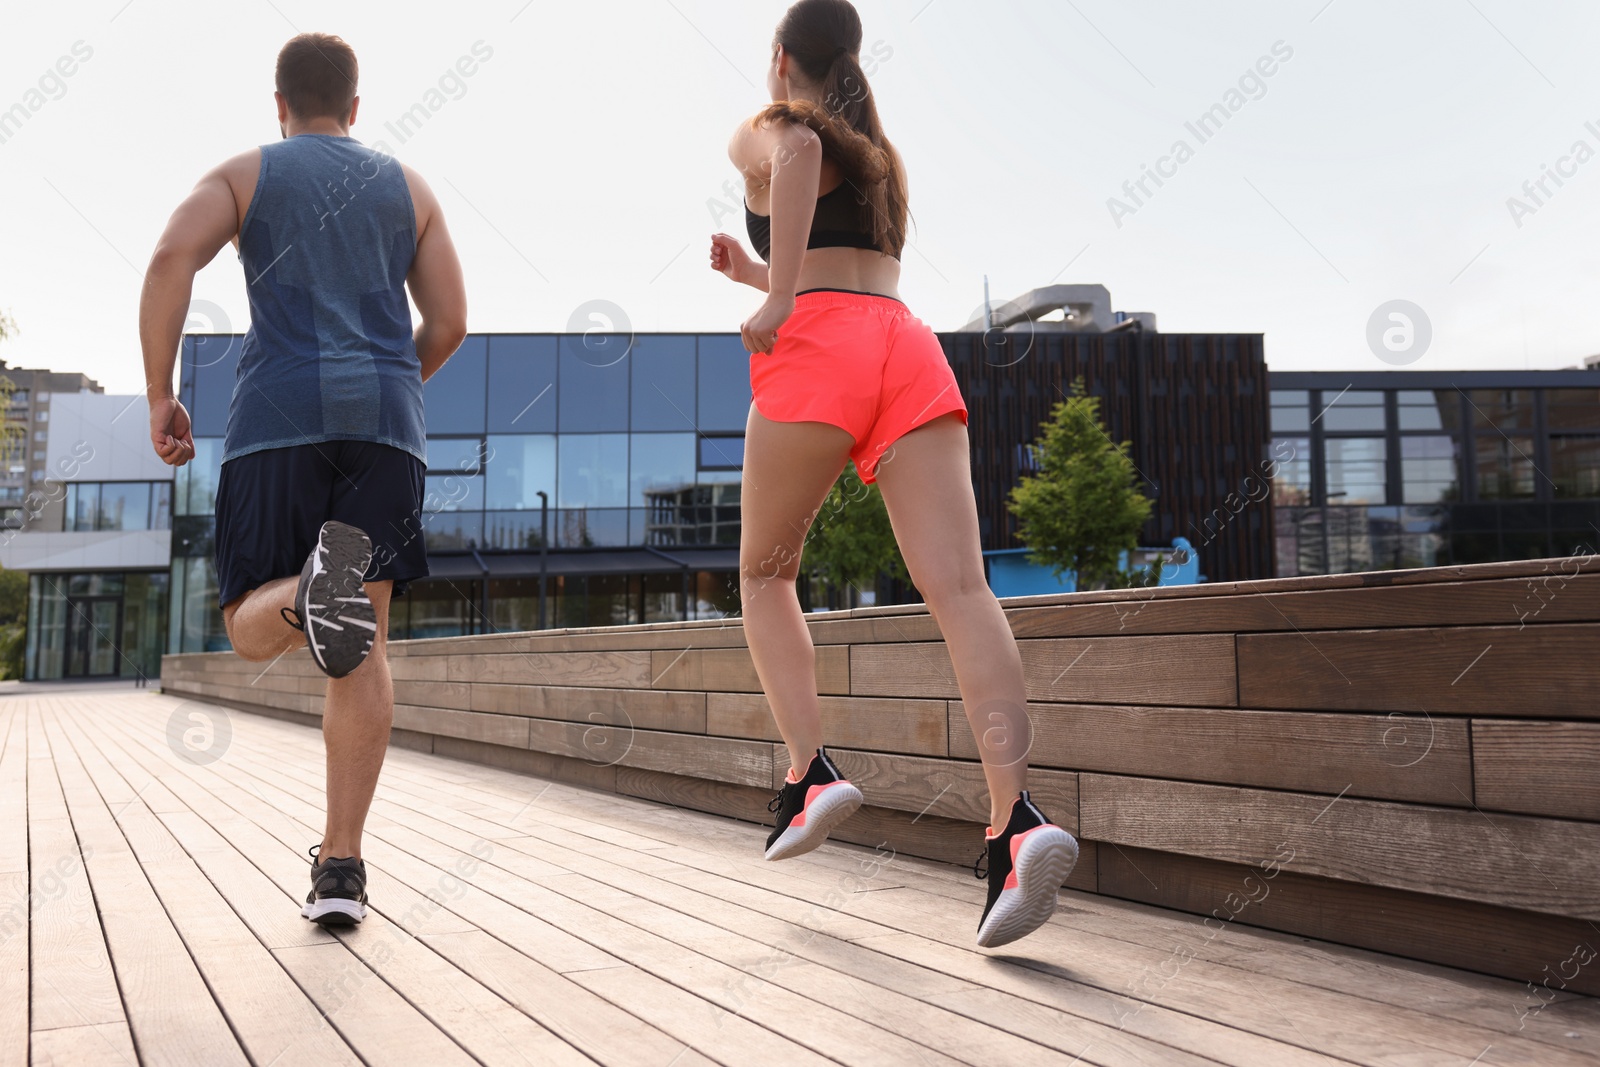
585 159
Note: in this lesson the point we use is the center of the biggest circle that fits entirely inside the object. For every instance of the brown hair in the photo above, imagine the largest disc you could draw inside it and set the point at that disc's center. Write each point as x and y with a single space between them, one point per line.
824 38
317 76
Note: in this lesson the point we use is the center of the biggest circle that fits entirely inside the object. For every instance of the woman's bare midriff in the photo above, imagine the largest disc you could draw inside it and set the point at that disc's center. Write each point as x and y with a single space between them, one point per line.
859 269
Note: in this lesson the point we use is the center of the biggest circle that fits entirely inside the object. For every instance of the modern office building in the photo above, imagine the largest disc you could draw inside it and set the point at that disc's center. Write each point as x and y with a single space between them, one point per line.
24 422
626 453
1393 469
93 532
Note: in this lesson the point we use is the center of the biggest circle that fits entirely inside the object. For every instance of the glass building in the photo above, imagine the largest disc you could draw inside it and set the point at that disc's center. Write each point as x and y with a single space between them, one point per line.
1392 469
622 461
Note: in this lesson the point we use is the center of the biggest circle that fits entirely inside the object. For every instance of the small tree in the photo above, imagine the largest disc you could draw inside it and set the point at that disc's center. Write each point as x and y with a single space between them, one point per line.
1084 508
850 541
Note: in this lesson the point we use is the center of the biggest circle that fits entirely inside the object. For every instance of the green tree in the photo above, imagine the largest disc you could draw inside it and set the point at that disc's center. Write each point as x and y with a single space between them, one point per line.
8 327
13 622
1084 508
850 542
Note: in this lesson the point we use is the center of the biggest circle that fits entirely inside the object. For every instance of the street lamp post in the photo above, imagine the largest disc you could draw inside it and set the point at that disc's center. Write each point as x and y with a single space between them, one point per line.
544 550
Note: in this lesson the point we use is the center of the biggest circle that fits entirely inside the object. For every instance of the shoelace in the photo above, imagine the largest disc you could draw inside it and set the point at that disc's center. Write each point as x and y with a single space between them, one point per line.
292 617
980 869
776 802
312 852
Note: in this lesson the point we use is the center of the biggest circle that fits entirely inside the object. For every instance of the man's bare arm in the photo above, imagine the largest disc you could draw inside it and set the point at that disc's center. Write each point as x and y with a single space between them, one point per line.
206 220
435 282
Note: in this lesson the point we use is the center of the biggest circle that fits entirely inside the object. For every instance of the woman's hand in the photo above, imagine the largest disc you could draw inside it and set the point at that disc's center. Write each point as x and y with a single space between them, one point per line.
729 257
760 331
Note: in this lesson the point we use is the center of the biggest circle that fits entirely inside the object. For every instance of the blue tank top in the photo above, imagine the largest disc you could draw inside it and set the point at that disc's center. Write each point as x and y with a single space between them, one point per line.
326 245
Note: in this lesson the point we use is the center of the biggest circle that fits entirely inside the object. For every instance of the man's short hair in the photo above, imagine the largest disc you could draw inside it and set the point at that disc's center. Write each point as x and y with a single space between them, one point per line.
317 76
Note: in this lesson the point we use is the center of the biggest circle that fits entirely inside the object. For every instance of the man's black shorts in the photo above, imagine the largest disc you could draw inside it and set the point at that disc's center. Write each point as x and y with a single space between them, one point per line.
270 505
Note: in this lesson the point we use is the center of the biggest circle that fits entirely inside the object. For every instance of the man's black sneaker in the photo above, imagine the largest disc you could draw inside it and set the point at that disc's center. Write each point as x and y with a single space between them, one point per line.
338 894
1026 864
331 605
809 808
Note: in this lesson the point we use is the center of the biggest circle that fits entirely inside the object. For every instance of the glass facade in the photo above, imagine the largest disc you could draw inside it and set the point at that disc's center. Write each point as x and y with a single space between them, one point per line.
104 625
1384 477
635 444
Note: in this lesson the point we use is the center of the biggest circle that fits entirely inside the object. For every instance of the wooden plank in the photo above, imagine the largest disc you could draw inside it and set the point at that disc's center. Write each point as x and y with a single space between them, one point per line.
1544 865
646 709
457 695
273 1019
509 730
1465 934
1537 768
377 1022
718 758
629 670
1188 670
1533 671
95 1045
72 981
14 795
1393 757
949 788
1418 987
168 1007
526 761
1553 597
731 670
887 724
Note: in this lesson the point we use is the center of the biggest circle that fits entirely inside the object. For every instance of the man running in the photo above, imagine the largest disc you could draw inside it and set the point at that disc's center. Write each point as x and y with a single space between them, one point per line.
325 445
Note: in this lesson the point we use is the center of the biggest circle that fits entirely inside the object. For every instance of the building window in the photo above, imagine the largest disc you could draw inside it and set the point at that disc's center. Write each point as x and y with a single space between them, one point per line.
1572 409
454 397
451 455
1292 484
40 435
727 454
1357 470
1575 465
1429 469
593 470
196 481
519 467
724 385
1423 409
1291 412
1353 409
1502 409
663 383
42 416
522 384
1505 468
660 461
118 506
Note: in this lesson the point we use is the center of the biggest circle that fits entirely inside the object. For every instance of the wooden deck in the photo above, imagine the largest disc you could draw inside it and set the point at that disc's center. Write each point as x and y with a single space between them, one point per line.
150 885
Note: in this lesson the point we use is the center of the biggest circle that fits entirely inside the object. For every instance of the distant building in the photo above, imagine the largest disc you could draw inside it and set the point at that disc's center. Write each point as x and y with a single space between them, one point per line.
24 421
94 533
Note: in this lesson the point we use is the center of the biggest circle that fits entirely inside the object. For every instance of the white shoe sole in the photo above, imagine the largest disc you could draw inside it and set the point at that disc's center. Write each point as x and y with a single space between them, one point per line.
335 911
833 806
1043 864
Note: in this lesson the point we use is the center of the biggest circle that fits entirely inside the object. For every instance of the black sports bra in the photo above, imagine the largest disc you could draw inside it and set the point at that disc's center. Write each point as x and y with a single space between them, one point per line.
835 224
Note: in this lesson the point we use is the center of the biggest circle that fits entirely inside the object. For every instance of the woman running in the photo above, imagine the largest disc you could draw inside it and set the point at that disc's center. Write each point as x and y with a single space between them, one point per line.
841 370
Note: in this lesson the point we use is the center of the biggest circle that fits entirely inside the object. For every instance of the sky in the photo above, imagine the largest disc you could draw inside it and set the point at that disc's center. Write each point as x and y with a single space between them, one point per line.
1359 153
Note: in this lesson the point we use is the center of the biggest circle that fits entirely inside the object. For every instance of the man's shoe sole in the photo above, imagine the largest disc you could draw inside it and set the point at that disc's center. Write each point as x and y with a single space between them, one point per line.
338 617
334 911
1043 863
836 803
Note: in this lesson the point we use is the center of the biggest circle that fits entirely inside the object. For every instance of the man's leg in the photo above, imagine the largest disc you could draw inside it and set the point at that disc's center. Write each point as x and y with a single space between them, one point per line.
355 728
255 621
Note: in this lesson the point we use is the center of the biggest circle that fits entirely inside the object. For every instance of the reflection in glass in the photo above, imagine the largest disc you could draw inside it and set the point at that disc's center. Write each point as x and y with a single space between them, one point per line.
1354 409
1575 466
721 453
593 470
1428 469
1356 469
453 399
660 462
593 395
1424 409
1290 413
1292 483
455 454
589 527
519 467
124 506
196 483
663 383
451 492
522 384
1505 467
724 384
453 531
1503 409
1572 409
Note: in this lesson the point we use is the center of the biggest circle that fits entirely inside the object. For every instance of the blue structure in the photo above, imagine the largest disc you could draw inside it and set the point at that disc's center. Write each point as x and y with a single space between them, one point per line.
1012 573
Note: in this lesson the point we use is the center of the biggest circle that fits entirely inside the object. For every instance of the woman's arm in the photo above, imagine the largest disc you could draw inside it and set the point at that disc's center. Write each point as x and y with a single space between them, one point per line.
788 157
729 257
